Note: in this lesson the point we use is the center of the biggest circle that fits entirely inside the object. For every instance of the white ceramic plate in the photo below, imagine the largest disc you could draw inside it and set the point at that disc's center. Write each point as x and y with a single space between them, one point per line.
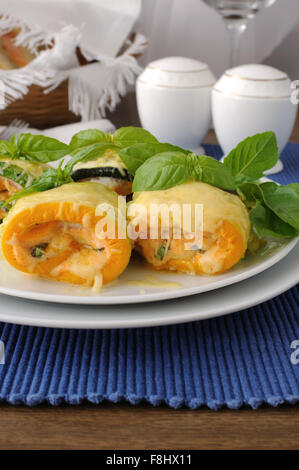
247 293
127 290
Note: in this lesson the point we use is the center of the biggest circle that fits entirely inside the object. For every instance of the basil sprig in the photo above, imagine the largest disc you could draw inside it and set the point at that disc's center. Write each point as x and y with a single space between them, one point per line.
34 148
169 169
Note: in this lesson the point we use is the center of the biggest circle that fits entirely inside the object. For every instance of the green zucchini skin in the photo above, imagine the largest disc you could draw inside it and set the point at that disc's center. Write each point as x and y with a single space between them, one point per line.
104 172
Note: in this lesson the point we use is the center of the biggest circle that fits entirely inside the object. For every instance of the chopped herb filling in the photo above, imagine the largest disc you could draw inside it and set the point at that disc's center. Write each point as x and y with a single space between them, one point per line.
39 250
162 250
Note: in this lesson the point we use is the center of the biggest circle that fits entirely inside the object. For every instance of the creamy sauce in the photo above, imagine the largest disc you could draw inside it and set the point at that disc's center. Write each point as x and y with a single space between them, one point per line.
151 281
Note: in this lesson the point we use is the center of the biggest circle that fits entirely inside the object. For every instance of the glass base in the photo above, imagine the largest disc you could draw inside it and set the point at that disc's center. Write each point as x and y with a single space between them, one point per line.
198 150
276 169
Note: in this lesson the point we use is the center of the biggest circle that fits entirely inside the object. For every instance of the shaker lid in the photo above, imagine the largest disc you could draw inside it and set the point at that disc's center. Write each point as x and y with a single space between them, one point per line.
177 72
255 81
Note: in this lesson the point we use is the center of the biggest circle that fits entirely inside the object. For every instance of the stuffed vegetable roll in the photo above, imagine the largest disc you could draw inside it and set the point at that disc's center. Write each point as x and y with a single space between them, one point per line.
57 234
225 230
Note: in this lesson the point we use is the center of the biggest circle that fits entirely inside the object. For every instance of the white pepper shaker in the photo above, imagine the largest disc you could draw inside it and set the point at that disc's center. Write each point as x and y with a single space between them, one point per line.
250 99
174 100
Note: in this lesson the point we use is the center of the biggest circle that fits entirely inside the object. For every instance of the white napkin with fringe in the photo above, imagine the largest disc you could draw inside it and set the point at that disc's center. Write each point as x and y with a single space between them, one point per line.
98 27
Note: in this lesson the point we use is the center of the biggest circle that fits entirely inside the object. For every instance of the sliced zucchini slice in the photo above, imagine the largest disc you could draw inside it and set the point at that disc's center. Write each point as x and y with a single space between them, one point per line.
103 172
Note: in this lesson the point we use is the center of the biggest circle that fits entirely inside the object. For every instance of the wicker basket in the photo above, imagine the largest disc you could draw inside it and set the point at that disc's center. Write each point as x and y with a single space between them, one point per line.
41 110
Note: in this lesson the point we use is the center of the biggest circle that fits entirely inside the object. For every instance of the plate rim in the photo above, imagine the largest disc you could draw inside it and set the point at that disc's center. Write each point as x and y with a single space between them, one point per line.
151 297
98 323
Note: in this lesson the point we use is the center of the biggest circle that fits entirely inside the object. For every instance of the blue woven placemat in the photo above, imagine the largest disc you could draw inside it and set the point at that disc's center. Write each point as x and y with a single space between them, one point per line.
239 359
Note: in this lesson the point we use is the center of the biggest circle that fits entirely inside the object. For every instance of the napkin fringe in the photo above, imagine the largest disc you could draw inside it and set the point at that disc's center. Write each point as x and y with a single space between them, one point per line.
53 66
91 102
32 37
15 84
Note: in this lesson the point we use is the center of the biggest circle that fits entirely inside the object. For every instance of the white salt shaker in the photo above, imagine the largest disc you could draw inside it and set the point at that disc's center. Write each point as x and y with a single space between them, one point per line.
174 100
250 99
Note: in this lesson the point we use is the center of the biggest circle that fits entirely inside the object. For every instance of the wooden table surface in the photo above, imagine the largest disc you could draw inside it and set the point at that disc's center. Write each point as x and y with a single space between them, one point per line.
122 426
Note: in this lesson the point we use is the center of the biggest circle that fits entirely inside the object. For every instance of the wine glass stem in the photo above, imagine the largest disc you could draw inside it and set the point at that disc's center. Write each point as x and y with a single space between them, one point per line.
235 30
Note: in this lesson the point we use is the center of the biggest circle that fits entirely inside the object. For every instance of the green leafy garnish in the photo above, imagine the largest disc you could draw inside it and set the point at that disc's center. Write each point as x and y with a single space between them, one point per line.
163 171
283 201
210 171
127 136
89 137
40 149
253 156
48 180
250 193
14 173
168 169
268 224
34 148
135 155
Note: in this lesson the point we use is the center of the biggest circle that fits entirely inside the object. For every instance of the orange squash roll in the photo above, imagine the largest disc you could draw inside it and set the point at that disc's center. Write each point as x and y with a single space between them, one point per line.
61 234
224 235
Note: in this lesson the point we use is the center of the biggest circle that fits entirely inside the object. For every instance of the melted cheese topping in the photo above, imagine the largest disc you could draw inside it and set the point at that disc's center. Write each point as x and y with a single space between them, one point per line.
33 169
218 205
88 194
109 158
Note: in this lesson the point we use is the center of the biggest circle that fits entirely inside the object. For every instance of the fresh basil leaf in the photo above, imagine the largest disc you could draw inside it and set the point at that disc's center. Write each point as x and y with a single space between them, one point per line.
162 171
250 193
253 156
6 149
40 149
294 187
127 136
211 171
268 224
135 155
89 137
284 201
85 154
